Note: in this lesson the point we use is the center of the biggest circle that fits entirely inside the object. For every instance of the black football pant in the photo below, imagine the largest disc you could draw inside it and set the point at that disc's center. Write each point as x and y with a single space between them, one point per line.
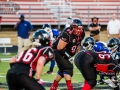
85 64
63 64
17 82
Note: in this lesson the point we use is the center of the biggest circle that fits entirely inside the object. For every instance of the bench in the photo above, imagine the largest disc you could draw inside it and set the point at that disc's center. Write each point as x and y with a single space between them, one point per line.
5 42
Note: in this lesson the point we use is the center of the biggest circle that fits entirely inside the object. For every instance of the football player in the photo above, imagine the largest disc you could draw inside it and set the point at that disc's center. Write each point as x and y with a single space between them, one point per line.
52 65
66 46
88 45
30 61
54 33
90 63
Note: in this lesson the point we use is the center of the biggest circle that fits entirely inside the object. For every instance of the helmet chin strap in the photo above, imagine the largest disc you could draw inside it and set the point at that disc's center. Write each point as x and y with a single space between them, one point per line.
89 47
48 30
113 49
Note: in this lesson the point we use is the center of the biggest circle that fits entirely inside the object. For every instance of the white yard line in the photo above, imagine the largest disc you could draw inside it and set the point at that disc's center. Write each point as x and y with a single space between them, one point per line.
2 76
4 59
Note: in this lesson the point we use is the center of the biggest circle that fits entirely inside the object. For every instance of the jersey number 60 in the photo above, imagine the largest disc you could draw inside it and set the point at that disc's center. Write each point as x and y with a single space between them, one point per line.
104 56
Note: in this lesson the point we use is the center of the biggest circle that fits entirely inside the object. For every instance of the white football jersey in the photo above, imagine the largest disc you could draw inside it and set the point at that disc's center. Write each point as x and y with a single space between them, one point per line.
49 31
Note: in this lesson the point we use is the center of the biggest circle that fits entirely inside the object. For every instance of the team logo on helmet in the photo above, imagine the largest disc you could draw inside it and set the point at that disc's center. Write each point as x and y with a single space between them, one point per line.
73 40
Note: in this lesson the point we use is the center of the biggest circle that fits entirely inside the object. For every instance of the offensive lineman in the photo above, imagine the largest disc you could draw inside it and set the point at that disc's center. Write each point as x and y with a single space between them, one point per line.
91 63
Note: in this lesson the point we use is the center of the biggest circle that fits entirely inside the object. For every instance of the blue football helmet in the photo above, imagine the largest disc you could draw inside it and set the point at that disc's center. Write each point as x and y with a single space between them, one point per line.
100 47
55 33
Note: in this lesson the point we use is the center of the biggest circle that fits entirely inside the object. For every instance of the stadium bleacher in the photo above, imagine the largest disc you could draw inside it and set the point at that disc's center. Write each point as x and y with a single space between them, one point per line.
82 0
109 0
46 11
103 9
94 0
26 0
2 0
36 12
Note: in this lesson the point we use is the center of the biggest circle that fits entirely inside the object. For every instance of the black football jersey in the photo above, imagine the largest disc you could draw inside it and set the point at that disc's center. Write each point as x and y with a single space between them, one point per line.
101 57
27 60
72 41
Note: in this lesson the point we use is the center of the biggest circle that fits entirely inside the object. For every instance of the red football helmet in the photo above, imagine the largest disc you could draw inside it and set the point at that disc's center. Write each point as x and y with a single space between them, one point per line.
77 27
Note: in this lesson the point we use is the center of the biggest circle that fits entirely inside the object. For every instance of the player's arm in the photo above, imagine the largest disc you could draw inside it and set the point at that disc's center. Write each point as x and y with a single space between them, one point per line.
78 48
39 68
61 44
63 41
12 61
47 55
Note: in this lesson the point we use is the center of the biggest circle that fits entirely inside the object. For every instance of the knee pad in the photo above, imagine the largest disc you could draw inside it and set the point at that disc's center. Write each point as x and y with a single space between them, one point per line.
92 83
60 73
69 71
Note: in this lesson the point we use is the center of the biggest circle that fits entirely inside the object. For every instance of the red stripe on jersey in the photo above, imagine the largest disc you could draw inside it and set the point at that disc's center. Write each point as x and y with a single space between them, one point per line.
88 53
41 52
34 62
45 56
30 72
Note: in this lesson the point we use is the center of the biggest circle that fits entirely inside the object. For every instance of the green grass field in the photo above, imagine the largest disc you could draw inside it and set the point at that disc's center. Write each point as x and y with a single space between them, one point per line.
4 66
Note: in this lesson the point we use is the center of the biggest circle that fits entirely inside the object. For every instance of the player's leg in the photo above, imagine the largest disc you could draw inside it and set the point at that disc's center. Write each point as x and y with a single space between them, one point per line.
29 83
11 81
52 64
84 63
101 80
68 73
59 75
65 67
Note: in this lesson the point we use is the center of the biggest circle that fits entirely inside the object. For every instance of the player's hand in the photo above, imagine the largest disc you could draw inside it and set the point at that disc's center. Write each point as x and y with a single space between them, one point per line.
71 60
111 83
40 81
